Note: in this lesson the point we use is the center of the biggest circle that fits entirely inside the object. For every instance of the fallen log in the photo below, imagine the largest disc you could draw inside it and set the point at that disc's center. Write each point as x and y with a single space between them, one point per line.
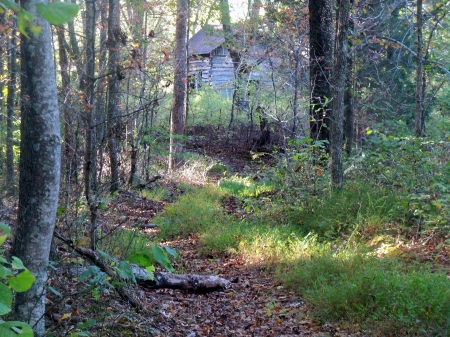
190 282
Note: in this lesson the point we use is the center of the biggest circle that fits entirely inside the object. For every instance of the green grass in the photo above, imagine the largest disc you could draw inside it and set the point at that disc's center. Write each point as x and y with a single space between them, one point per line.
158 193
325 248
125 242
194 212
384 295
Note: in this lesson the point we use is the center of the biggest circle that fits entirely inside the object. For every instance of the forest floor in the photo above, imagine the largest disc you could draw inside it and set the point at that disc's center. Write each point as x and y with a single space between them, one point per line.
256 305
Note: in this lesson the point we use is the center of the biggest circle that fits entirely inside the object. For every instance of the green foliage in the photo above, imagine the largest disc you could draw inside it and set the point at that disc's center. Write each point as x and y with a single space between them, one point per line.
147 259
208 107
186 216
9 281
245 186
380 294
418 170
357 205
58 13
55 13
157 193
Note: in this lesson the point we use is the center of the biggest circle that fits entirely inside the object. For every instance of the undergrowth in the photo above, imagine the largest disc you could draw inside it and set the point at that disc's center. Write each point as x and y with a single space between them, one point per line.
342 251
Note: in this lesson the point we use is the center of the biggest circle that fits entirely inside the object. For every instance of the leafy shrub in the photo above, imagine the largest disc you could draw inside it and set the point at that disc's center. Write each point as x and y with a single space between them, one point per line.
13 277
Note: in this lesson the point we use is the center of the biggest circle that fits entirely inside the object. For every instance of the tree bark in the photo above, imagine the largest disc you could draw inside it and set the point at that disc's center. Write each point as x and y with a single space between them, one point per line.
179 85
114 34
420 92
320 56
339 76
349 119
40 152
10 104
87 82
225 19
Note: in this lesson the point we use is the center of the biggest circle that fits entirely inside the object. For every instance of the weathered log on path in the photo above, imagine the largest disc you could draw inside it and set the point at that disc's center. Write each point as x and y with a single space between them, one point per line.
191 282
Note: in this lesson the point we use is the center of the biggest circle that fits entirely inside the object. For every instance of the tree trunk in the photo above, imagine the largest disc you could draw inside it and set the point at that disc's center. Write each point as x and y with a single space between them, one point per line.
114 34
339 76
234 54
40 152
90 183
420 92
349 119
320 56
179 85
10 103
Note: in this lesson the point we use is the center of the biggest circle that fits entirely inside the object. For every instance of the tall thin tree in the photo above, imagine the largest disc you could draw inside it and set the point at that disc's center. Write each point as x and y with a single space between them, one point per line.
320 57
114 34
40 151
339 76
420 93
10 104
179 84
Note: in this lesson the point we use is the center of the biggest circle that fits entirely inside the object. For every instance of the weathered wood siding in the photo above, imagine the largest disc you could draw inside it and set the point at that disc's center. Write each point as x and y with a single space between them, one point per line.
222 71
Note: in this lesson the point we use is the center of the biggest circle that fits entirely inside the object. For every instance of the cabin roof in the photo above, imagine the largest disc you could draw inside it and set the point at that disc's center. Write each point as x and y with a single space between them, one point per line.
206 40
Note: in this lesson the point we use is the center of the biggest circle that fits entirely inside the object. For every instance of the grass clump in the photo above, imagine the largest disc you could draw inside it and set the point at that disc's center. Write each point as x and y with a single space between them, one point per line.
245 186
357 206
381 295
193 213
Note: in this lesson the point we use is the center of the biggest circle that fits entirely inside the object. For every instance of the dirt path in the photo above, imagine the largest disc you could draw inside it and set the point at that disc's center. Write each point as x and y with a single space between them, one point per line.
255 306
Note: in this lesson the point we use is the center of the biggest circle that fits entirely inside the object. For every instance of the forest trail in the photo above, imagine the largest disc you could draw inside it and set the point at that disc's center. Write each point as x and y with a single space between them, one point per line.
257 305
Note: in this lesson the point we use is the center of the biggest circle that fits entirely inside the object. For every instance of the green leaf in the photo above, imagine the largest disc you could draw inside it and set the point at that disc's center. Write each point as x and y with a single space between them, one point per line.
58 13
124 270
4 272
4 228
141 259
22 282
14 329
23 20
90 271
3 238
17 263
171 251
150 270
161 258
11 5
6 298
53 290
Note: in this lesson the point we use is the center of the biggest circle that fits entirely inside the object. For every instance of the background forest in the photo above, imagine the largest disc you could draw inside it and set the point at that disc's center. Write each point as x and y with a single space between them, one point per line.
296 152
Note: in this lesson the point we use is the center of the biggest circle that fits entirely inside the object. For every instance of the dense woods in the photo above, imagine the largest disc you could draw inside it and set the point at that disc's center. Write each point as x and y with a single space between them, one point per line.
222 140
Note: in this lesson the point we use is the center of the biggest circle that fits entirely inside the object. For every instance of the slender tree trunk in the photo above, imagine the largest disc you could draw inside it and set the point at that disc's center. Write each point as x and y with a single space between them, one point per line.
90 183
10 103
349 118
179 84
420 113
296 92
75 50
339 76
320 56
100 106
40 158
225 19
114 33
